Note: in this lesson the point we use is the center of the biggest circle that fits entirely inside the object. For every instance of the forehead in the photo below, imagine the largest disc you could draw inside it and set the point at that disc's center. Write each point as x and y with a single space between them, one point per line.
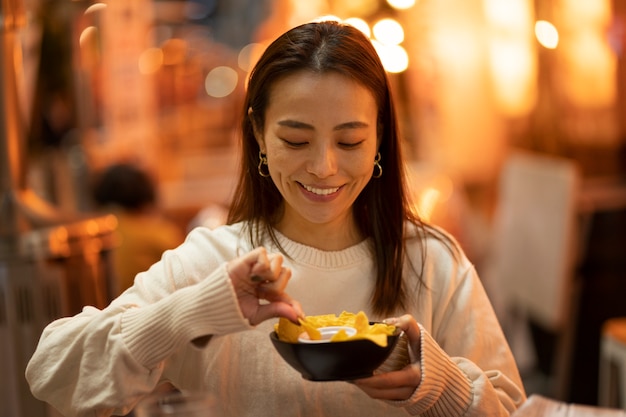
306 92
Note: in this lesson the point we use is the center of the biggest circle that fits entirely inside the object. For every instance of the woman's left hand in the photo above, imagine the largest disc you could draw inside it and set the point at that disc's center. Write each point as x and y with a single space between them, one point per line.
401 384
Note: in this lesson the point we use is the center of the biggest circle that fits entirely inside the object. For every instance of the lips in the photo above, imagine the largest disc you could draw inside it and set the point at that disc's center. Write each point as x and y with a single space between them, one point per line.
320 191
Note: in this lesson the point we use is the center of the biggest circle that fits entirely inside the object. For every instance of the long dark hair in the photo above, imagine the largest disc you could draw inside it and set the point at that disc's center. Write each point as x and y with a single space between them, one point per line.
382 207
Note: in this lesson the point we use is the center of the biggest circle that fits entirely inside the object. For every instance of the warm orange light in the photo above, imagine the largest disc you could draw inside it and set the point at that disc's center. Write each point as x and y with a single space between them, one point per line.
96 7
429 191
174 51
511 16
514 73
546 34
512 55
591 64
327 17
388 32
150 61
249 55
589 12
395 59
221 81
360 24
401 4
588 78
88 36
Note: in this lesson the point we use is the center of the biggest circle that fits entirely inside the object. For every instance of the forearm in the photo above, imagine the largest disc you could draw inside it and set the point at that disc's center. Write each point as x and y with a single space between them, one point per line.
82 367
104 361
152 333
458 387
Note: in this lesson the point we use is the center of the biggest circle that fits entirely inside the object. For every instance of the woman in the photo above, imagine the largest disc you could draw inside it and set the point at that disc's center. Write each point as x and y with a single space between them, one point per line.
321 211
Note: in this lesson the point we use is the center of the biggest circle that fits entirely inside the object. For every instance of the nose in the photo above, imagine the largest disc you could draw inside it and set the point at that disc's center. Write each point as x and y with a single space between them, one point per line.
323 161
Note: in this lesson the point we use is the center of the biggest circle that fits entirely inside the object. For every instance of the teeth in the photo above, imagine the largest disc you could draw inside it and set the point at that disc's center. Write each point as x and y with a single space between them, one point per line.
320 191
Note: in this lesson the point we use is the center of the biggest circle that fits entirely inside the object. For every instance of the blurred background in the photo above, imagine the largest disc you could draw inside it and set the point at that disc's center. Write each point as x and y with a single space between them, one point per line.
512 113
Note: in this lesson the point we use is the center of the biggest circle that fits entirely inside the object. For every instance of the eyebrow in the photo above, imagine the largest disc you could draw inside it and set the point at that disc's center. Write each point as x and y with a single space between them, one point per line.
301 125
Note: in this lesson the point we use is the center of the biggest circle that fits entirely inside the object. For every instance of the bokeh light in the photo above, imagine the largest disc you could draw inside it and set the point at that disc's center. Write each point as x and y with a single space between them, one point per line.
249 55
547 35
88 35
395 59
388 31
96 7
326 18
360 24
221 81
150 61
401 4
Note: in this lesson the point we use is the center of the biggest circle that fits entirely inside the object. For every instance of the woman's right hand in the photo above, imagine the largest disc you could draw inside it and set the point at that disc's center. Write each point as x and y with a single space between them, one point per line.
259 279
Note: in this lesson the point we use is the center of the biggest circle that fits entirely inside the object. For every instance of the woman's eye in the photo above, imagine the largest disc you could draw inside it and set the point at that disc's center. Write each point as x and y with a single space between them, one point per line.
349 145
294 144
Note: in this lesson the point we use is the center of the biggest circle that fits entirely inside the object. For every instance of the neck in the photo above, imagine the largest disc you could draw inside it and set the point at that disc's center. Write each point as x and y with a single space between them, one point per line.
327 237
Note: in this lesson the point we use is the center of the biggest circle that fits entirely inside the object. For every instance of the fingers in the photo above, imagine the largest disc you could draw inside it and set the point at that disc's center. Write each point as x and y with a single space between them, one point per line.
271 279
256 267
397 385
408 324
291 310
279 276
259 275
258 260
279 299
268 268
272 296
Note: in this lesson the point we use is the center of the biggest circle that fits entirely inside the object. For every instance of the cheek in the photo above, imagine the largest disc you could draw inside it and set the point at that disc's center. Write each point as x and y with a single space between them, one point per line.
280 161
361 166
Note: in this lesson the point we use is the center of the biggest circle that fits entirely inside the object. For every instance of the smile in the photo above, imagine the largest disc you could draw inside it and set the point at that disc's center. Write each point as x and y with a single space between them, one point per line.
320 191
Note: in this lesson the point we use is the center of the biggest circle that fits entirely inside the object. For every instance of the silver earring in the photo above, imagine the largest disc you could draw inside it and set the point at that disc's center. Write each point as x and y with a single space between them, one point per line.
378 170
263 162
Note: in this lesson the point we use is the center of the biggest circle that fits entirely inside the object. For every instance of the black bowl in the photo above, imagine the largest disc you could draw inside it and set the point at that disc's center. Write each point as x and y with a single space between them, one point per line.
335 361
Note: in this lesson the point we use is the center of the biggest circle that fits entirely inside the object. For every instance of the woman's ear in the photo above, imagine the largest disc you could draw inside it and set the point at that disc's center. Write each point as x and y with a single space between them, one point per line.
255 129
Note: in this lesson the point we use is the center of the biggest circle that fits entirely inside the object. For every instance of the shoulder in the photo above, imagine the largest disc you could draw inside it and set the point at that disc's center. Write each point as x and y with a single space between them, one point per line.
436 253
211 246
433 240
229 232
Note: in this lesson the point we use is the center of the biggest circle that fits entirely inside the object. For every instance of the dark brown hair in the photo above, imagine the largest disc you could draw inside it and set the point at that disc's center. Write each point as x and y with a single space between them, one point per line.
382 207
125 185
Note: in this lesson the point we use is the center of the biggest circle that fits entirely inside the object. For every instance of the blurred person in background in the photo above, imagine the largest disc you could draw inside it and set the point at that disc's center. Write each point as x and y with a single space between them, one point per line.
145 232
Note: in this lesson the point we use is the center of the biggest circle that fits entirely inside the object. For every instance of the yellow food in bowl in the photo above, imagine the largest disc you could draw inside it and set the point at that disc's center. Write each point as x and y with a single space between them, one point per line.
376 332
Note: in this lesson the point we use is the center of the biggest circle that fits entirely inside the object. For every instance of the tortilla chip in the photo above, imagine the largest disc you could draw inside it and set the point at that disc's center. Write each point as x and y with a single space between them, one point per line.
311 330
287 331
340 336
377 332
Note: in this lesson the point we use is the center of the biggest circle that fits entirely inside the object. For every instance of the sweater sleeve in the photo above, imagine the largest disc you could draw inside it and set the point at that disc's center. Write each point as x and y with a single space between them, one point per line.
102 362
457 387
467 368
444 386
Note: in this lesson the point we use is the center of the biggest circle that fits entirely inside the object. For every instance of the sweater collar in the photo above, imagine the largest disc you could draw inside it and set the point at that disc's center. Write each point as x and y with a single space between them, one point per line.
304 254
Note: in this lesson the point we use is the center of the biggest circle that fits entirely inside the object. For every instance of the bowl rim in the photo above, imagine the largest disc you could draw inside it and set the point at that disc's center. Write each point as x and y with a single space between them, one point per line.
396 333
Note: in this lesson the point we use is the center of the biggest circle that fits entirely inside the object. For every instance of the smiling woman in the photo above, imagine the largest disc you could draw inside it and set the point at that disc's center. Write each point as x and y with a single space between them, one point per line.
320 146
321 223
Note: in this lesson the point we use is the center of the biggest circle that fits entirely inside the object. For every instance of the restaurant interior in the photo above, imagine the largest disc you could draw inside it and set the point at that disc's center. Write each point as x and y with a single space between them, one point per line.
512 115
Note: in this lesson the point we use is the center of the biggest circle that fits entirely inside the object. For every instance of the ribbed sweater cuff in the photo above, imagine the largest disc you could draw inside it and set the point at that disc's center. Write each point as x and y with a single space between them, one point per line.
153 332
444 389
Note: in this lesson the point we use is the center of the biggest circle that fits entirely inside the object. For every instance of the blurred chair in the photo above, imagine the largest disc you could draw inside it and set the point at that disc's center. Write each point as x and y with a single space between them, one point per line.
612 375
535 252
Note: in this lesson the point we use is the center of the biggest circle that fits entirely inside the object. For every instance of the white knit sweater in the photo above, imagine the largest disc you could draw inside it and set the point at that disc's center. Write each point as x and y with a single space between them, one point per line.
102 362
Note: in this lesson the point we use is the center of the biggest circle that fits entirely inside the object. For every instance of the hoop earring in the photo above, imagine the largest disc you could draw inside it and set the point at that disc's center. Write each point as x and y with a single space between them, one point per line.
377 167
263 161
